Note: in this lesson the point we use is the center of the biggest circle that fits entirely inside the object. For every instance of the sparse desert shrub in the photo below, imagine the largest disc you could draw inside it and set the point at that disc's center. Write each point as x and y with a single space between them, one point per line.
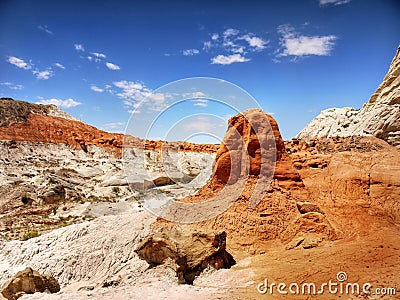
116 189
30 234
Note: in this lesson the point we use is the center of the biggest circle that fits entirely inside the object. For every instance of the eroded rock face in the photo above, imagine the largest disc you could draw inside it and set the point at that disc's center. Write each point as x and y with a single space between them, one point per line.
252 170
29 281
22 121
191 252
380 117
253 146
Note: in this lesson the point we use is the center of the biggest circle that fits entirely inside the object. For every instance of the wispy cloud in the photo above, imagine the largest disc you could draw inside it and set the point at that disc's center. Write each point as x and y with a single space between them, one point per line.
233 45
255 42
18 62
113 125
200 124
12 86
297 45
96 89
194 94
99 55
200 102
43 75
68 103
334 2
79 47
112 66
230 32
228 59
45 28
58 65
190 52
132 92
207 45
136 93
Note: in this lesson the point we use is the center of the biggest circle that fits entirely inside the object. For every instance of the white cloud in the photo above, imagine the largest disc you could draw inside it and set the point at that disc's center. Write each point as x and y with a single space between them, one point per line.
112 66
43 75
99 55
255 42
295 44
18 62
228 59
207 45
134 93
68 103
193 95
12 86
90 58
59 66
190 52
156 101
233 41
200 102
334 2
79 47
113 125
200 124
96 89
230 32
45 28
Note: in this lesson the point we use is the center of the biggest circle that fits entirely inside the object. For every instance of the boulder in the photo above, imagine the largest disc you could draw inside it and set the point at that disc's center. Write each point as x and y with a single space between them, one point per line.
306 207
53 194
191 252
29 281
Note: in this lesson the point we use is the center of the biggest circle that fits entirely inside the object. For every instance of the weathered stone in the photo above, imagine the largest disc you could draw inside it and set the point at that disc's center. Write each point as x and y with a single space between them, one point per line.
192 252
29 281
311 242
306 207
294 243
253 146
53 194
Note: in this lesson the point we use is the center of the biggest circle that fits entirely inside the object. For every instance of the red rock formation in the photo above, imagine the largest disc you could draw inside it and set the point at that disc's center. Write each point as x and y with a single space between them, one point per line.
254 172
37 127
253 146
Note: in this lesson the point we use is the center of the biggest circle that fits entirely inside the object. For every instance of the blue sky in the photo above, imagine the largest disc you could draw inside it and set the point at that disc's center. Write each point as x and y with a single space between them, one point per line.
98 59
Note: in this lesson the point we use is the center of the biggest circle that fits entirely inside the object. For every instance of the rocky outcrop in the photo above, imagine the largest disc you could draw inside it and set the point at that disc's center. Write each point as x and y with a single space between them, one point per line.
22 121
15 111
29 281
254 182
191 252
380 117
253 146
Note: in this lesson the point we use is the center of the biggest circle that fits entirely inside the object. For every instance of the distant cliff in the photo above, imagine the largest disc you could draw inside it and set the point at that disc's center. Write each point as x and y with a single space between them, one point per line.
380 117
23 121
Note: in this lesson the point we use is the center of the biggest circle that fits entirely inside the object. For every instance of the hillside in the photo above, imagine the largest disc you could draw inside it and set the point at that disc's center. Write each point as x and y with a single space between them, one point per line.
379 117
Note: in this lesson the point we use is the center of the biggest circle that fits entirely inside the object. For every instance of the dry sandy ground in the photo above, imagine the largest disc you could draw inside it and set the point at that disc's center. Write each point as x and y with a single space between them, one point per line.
370 255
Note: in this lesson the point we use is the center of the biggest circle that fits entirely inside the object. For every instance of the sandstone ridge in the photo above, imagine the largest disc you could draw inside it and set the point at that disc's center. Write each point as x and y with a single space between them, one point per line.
22 121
